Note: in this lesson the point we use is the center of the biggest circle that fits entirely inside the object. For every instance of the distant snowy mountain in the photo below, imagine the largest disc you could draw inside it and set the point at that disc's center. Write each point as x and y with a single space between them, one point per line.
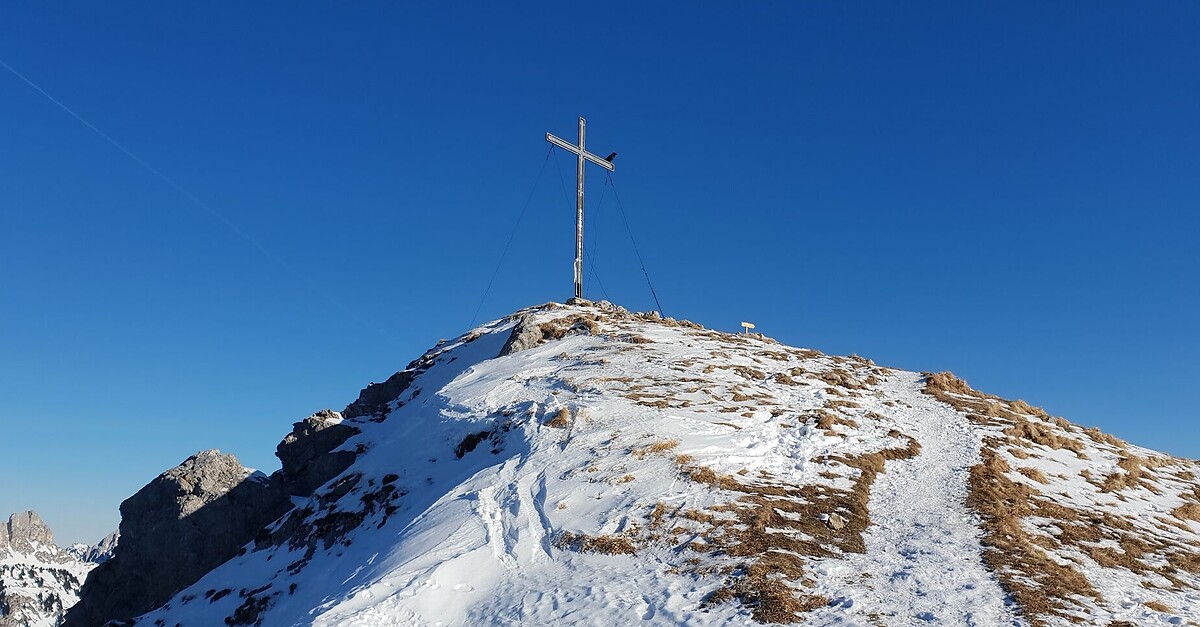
95 553
38 580
586 465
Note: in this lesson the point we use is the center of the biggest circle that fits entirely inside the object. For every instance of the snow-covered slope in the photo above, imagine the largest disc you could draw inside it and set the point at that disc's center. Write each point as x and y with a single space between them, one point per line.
38 580
584 465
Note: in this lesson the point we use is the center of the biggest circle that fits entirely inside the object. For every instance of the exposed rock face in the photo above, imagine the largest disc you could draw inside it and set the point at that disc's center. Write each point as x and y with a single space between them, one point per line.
184 523
525 335
26 533
38 580
531 331
307 452
374 398
197 515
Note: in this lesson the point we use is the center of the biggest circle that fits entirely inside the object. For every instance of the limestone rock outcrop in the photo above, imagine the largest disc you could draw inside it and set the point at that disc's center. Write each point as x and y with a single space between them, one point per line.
307 452
182 524
25 532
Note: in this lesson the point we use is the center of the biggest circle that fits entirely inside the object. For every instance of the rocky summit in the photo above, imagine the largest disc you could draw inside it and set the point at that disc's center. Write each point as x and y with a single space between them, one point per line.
39 580
584 464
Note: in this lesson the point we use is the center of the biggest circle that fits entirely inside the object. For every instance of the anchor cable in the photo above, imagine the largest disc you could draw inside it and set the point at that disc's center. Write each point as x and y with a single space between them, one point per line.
595 230
635 246
511 236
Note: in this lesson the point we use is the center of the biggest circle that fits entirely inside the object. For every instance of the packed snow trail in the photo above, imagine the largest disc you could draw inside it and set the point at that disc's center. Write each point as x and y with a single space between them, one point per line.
923 564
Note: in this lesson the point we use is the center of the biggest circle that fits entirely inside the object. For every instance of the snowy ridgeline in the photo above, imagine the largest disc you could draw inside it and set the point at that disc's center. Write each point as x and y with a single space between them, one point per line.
584 465
39 580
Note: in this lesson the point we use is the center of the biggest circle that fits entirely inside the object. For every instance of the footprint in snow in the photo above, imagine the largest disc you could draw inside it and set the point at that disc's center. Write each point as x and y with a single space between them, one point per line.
650 611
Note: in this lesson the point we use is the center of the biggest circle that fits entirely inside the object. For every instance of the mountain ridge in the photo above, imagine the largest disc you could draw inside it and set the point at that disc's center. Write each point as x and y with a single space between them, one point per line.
39 580
622 465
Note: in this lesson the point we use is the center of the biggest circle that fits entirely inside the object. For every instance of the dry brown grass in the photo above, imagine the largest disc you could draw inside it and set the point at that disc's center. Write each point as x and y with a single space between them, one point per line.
1034 474
1158 607
1099 437
1036 432
561 419
749 373
559 328
1040 586
992 410
840 379
659 447
1017 551
768 576
770 598
583 543
1138 473
826 421
783 378
1188 562
657 514
650 400
1022 407
1190 510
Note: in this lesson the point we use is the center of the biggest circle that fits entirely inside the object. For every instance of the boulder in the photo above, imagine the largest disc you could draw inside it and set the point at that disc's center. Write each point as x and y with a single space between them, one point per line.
525 335
184 523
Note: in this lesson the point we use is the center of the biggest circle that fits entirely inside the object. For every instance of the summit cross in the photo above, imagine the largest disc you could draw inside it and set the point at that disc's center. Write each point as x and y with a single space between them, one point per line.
582 155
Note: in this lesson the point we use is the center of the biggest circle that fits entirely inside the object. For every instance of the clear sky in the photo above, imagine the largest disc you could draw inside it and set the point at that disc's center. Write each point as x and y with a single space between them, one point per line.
1004 190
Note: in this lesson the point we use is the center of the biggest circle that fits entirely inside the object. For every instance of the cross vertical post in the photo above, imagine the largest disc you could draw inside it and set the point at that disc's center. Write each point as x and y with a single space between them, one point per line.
581 156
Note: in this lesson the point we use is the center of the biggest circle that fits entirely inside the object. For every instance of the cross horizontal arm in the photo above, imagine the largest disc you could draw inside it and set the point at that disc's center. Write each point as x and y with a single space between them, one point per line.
573 149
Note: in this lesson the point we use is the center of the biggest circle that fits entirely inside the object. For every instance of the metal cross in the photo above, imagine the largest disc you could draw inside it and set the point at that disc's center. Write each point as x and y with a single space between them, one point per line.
583 155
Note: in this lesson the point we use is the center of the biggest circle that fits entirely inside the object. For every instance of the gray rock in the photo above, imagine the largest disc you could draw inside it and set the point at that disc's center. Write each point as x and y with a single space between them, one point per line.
525 335
184 523
103 550
307 452
23 530
376 399
373 400
835 522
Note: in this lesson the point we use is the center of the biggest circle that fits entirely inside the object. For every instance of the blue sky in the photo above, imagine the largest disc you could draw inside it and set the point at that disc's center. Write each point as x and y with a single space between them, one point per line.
1007 191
